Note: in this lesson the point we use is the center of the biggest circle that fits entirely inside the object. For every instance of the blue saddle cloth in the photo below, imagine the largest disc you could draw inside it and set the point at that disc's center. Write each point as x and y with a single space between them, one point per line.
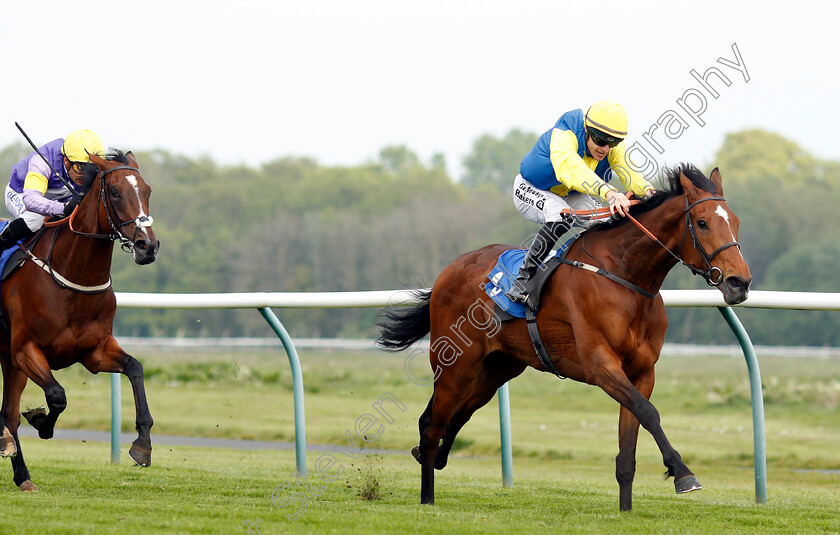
503 275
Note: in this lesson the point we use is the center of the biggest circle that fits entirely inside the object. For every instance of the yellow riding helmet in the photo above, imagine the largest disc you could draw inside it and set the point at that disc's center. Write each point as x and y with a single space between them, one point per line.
609 117
80 143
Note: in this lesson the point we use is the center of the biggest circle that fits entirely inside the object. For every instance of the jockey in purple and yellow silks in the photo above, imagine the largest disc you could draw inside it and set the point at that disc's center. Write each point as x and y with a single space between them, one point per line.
35 191
577 164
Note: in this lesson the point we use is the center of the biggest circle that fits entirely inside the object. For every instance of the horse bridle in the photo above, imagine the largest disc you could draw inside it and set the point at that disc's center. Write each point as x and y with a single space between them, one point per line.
712 274
142 221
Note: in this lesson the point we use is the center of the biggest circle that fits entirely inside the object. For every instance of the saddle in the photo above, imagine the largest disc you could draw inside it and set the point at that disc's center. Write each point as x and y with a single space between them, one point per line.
502 277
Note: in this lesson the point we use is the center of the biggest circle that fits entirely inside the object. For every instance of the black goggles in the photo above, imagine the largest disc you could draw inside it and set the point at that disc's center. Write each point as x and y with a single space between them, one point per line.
602 140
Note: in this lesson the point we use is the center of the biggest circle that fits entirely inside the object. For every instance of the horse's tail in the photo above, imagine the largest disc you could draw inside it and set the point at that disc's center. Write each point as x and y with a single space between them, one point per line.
404 326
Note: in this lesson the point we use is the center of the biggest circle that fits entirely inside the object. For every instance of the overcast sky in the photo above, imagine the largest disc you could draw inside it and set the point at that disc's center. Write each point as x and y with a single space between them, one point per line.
251 81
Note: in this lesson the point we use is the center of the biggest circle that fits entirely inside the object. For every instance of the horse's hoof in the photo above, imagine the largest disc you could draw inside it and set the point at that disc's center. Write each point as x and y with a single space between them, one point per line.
415 452
31 413
28 486
7 444
687 483
440 464
37 418
141 455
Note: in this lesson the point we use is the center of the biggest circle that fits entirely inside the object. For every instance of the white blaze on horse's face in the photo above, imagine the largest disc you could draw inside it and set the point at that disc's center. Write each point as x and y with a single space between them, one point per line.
143 219
725 215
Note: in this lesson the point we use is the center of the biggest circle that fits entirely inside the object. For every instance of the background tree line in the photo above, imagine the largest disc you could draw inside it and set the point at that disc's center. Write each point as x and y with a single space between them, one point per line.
296 225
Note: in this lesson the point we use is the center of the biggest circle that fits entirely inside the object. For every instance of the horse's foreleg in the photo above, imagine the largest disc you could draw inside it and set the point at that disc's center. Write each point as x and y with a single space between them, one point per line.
615 383
9 417
111 358
14 381
648 416
628 435
32 362
625 461
7 440
141 449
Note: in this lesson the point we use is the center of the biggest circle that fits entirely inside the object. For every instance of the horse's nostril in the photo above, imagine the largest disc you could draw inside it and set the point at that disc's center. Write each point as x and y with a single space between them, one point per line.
737 283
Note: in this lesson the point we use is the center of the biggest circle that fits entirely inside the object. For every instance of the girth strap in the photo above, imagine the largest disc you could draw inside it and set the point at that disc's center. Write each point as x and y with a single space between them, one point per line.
607 274
534 333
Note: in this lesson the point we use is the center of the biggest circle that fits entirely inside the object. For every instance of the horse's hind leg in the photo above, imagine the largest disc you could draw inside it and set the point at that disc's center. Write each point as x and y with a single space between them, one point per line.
449 391
423 423
111 358
496 370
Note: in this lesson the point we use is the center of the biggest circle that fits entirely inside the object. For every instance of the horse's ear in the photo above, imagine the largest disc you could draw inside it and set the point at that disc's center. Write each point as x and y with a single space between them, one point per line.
131 159
717 181
97 160
688 187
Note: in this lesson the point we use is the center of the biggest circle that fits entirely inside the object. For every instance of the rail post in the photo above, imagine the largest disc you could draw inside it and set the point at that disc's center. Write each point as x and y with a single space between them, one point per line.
757 402
116 418
297 387
504 429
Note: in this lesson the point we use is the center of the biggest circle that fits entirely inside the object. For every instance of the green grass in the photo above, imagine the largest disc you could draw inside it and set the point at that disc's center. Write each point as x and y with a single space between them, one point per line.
193 490
564 437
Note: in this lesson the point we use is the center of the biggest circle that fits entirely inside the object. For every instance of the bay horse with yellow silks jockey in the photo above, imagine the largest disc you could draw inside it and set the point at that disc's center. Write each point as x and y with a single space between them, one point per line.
602 325
59 305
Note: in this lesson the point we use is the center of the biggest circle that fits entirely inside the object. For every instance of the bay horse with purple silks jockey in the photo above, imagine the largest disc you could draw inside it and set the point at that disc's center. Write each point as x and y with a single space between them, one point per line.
59 304
594 329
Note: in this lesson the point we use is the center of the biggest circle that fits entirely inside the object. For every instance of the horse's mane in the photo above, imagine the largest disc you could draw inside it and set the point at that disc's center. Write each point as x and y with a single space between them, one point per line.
670 187
91 170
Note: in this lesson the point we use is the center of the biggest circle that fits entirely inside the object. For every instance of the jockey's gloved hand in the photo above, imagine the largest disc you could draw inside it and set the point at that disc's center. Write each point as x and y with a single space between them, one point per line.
71 205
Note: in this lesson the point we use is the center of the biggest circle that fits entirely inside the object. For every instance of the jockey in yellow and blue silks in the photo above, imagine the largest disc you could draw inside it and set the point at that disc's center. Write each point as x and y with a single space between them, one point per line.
580 163
35 191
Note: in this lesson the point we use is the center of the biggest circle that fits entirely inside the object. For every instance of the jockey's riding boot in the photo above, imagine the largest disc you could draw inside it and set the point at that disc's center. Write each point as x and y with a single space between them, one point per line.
14 232
542 244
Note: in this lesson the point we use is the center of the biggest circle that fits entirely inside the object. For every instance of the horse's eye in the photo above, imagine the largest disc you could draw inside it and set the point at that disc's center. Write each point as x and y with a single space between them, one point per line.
115 194
702 224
